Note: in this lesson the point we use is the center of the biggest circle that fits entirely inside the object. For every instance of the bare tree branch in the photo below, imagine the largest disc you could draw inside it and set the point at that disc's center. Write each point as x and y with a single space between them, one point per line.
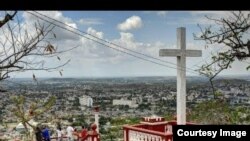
22 49
7 18
231 32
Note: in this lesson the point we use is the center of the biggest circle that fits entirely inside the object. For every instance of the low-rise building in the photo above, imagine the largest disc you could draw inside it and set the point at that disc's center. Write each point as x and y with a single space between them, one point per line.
130 103
86 101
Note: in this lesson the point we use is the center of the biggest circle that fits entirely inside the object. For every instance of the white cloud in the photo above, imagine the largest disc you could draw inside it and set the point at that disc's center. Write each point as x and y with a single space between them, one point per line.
126 40
64 39
126 37
133 22
90 21
91 58
61 34
93 32
89 49
100 54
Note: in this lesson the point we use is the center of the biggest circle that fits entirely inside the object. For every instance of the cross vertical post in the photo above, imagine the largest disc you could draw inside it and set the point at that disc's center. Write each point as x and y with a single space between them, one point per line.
181 53
181 76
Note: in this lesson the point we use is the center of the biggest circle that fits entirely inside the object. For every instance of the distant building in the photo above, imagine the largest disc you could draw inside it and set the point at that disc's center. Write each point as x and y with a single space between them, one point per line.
86 87
130 103
86 101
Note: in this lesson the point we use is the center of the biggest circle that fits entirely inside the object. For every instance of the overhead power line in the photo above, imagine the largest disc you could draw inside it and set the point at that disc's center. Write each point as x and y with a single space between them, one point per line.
106 41
103 42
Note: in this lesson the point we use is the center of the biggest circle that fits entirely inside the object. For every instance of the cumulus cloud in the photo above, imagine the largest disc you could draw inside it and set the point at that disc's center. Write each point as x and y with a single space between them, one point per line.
61 34
133 22
89 49
91 58
126 40
64 39
93 32
100 54
126 37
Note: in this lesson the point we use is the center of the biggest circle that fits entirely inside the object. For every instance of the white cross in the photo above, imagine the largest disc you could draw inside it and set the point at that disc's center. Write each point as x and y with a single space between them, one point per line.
181 54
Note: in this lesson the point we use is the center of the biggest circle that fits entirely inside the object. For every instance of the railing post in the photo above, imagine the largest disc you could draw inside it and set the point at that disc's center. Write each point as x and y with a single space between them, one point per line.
169 138
125 134
97 117
169 128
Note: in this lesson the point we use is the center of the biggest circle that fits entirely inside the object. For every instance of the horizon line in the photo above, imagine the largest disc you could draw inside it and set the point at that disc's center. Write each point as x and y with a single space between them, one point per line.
74 77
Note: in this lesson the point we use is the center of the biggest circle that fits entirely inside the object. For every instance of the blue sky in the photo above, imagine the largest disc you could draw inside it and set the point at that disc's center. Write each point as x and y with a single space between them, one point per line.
142 31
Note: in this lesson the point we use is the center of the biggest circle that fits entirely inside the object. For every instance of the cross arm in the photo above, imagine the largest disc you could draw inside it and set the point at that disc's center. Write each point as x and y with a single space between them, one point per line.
178 52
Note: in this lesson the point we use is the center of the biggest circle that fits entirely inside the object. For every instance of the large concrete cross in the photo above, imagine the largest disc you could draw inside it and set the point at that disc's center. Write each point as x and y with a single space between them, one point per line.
181 54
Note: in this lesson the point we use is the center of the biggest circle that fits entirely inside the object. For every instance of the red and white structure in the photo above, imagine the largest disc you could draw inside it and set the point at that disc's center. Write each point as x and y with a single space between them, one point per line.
92 135
150 129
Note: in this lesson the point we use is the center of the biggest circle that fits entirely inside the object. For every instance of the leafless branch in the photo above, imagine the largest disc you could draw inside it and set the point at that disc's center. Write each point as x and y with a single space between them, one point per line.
19 44
7 18
233 34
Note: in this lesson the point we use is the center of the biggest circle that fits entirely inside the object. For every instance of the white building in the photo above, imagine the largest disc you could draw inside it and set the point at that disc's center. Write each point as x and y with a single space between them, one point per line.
86 101
130 103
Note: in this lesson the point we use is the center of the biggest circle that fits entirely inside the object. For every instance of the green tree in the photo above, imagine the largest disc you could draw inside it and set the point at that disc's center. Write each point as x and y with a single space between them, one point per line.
219 111
79 120
103 120
76 102
35 109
